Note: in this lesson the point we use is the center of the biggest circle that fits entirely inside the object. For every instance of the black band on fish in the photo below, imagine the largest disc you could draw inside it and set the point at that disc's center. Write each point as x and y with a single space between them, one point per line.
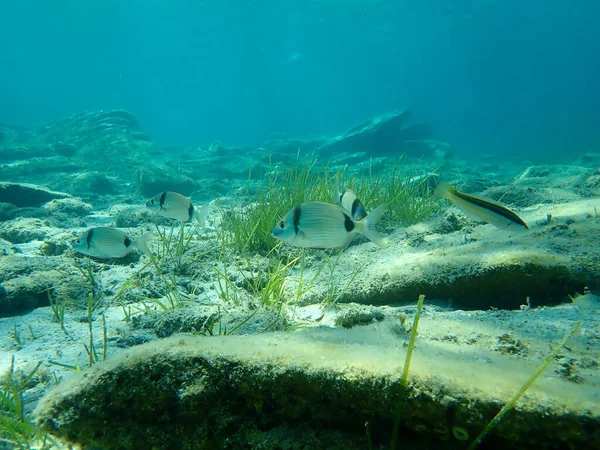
296 218
162 199
127 241
190 212
348 223
358 210
88 237
496 209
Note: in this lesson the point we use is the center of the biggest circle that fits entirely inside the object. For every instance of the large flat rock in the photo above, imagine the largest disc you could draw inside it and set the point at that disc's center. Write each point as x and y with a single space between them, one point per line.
316 389
477 267
385 134
24 195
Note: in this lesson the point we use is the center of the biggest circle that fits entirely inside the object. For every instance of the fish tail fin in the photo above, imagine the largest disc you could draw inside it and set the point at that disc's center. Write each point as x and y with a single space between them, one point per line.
142 243
200 214
444 190
368 230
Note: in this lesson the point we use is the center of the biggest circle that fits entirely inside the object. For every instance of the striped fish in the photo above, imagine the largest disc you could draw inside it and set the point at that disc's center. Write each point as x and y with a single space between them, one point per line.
351 203
176 206
483 209
105 242
323 225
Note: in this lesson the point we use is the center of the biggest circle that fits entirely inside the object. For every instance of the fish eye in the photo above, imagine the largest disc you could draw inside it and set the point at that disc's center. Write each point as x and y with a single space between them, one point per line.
78 241
282 224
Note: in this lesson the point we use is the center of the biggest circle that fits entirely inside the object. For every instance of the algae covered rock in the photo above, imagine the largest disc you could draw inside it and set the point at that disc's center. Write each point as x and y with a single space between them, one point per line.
29 281
273 391
387 134
152 179
23 195
22 230
7 211
69 206
354 315
479 267
87 184
181 320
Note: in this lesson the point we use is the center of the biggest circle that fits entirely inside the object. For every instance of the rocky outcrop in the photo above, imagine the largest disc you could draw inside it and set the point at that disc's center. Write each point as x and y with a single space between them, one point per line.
28 283
88 132
386 134
28 195
314 389
153 179
477 268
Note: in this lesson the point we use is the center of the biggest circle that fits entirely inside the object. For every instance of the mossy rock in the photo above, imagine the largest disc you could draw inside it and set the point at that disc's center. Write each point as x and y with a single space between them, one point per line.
480 268
28 280
152 180
24 195
7 211
312 389
23 230
88 184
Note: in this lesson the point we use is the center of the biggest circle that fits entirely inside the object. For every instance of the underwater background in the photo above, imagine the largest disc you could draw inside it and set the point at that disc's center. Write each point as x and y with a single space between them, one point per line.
275 225
505 77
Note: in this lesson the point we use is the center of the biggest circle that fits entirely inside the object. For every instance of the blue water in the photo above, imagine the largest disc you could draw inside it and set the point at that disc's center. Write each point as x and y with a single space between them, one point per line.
503 77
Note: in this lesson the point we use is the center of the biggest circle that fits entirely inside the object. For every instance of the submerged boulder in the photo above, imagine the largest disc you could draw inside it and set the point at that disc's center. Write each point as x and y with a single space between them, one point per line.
387 134
29 282
312 389
153 179
88 184
24 195
474 267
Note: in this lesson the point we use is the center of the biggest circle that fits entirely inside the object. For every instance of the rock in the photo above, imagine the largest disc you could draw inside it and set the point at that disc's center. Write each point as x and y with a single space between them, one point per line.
70 206
181 320
6 249
109 140
285 149
27 292
7 211
127 216
589 186
476 267
11 135
386 134
23 152
19 231
63 149
354 315
22 195
276 390
31 291
28 280
88 184
152 179
54 248
590 159
36 168
78 131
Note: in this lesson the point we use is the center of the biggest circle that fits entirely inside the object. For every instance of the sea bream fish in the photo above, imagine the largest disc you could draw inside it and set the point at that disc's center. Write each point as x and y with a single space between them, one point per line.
105 242
350 202
323 225
483 209
176 206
